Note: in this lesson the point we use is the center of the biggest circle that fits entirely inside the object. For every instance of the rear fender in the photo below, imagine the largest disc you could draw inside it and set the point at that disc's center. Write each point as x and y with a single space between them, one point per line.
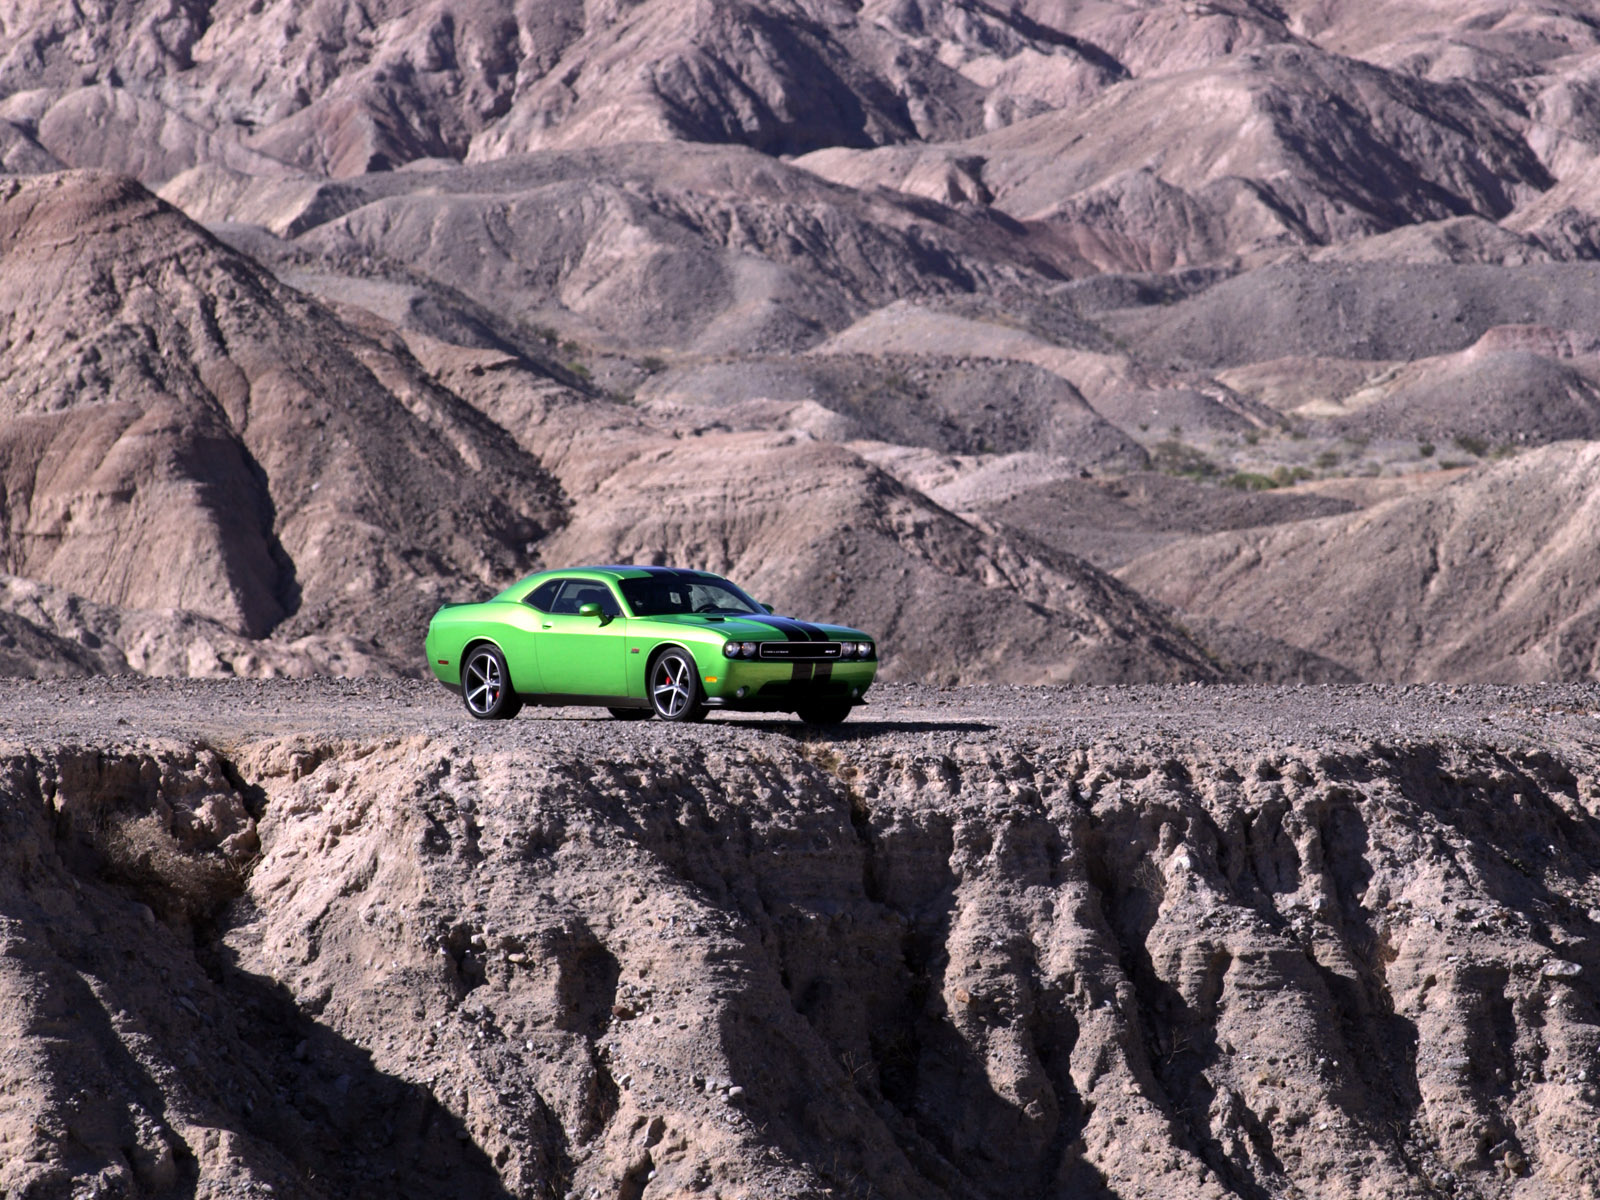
484 640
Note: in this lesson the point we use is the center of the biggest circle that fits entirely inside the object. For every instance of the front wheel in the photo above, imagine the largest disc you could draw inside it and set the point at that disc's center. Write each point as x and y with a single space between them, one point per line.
675 687
824 714
486 686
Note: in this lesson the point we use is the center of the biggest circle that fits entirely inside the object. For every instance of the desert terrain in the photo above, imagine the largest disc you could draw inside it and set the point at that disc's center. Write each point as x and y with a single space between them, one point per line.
1198 400
1112 341
330 938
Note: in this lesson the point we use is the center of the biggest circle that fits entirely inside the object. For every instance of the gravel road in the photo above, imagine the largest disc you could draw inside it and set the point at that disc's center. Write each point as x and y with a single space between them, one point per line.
228 712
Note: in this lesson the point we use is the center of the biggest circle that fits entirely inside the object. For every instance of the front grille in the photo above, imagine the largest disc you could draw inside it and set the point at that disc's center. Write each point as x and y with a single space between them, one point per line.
797 651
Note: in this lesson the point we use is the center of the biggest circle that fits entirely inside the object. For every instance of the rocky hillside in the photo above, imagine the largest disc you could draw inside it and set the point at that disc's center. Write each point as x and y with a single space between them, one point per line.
1237 943
1447 584
178 430
183 433
989 269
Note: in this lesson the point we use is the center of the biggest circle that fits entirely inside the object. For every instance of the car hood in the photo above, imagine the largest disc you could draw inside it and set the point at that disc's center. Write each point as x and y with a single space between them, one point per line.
763 628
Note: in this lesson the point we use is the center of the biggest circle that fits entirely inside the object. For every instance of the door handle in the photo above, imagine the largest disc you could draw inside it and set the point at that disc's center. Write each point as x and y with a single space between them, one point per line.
547 627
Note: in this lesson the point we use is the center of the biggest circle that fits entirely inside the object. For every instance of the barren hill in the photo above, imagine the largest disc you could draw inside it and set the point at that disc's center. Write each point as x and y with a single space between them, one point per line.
179 430
923 271
187 435
1374 311
822 530
646 246
1491 577
908 400
1271 148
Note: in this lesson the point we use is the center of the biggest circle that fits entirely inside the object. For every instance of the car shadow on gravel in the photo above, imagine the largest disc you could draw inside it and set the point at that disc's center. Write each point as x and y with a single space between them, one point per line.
856 731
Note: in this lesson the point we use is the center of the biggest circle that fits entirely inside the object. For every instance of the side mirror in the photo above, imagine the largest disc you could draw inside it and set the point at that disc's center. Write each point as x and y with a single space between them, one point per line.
768 607
593 610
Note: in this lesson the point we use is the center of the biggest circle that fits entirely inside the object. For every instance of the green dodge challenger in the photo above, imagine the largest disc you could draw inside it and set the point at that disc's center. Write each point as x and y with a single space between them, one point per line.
645 641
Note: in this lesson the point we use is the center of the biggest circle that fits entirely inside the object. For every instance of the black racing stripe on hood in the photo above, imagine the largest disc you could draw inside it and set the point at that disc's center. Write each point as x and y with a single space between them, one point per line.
795 631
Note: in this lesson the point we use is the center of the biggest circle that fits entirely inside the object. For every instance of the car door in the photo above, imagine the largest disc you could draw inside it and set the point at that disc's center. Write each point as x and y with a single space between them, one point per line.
583 656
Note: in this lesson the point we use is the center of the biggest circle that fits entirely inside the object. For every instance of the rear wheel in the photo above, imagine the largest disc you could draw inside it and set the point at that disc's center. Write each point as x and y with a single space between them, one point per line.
486 686
632 714
675 687
825 714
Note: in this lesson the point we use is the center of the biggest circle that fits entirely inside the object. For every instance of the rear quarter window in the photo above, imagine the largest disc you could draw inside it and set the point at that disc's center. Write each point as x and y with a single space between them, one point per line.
543 596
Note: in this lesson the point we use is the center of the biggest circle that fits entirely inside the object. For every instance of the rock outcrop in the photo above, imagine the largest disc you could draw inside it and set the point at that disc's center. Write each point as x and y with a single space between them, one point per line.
1232 955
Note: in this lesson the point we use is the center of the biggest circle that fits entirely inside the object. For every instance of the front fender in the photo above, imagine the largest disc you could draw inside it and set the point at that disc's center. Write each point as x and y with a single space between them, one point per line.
707 660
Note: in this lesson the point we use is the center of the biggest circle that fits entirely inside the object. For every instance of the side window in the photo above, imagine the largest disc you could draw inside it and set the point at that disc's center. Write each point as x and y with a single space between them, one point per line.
544 595
575 593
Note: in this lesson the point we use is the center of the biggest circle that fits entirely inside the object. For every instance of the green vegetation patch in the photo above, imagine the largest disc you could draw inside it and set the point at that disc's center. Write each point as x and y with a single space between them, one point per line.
1254 481
1180 458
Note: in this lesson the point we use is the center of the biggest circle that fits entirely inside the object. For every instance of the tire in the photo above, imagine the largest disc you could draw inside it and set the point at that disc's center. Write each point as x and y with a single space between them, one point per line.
632 714
824 715
674 687
486 685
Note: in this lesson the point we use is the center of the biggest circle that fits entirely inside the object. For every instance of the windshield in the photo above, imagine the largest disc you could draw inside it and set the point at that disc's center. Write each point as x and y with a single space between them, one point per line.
659 596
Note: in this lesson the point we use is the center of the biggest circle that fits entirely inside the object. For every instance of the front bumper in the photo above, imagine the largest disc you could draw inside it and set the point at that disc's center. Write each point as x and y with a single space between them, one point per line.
745 685
777 704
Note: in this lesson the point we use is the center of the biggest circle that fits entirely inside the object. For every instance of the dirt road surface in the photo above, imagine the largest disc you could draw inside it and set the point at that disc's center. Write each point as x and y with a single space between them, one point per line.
238 711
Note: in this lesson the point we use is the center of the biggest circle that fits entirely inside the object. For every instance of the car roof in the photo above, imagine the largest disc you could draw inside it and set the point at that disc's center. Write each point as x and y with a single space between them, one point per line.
613 571
630 572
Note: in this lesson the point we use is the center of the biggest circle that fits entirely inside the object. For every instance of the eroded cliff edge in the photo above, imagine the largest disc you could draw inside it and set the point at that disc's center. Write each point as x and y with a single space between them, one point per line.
1084 942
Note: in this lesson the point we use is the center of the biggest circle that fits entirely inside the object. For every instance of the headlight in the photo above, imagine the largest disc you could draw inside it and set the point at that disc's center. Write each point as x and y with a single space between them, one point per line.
749 649
847 649
864 649
730 649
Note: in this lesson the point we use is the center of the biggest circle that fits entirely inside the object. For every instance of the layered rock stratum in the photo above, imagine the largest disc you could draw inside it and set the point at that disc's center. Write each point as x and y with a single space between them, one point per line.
333 939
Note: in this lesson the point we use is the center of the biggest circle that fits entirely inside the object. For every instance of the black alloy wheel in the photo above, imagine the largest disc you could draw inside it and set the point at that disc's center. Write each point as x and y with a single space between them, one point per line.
486 686
675 687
